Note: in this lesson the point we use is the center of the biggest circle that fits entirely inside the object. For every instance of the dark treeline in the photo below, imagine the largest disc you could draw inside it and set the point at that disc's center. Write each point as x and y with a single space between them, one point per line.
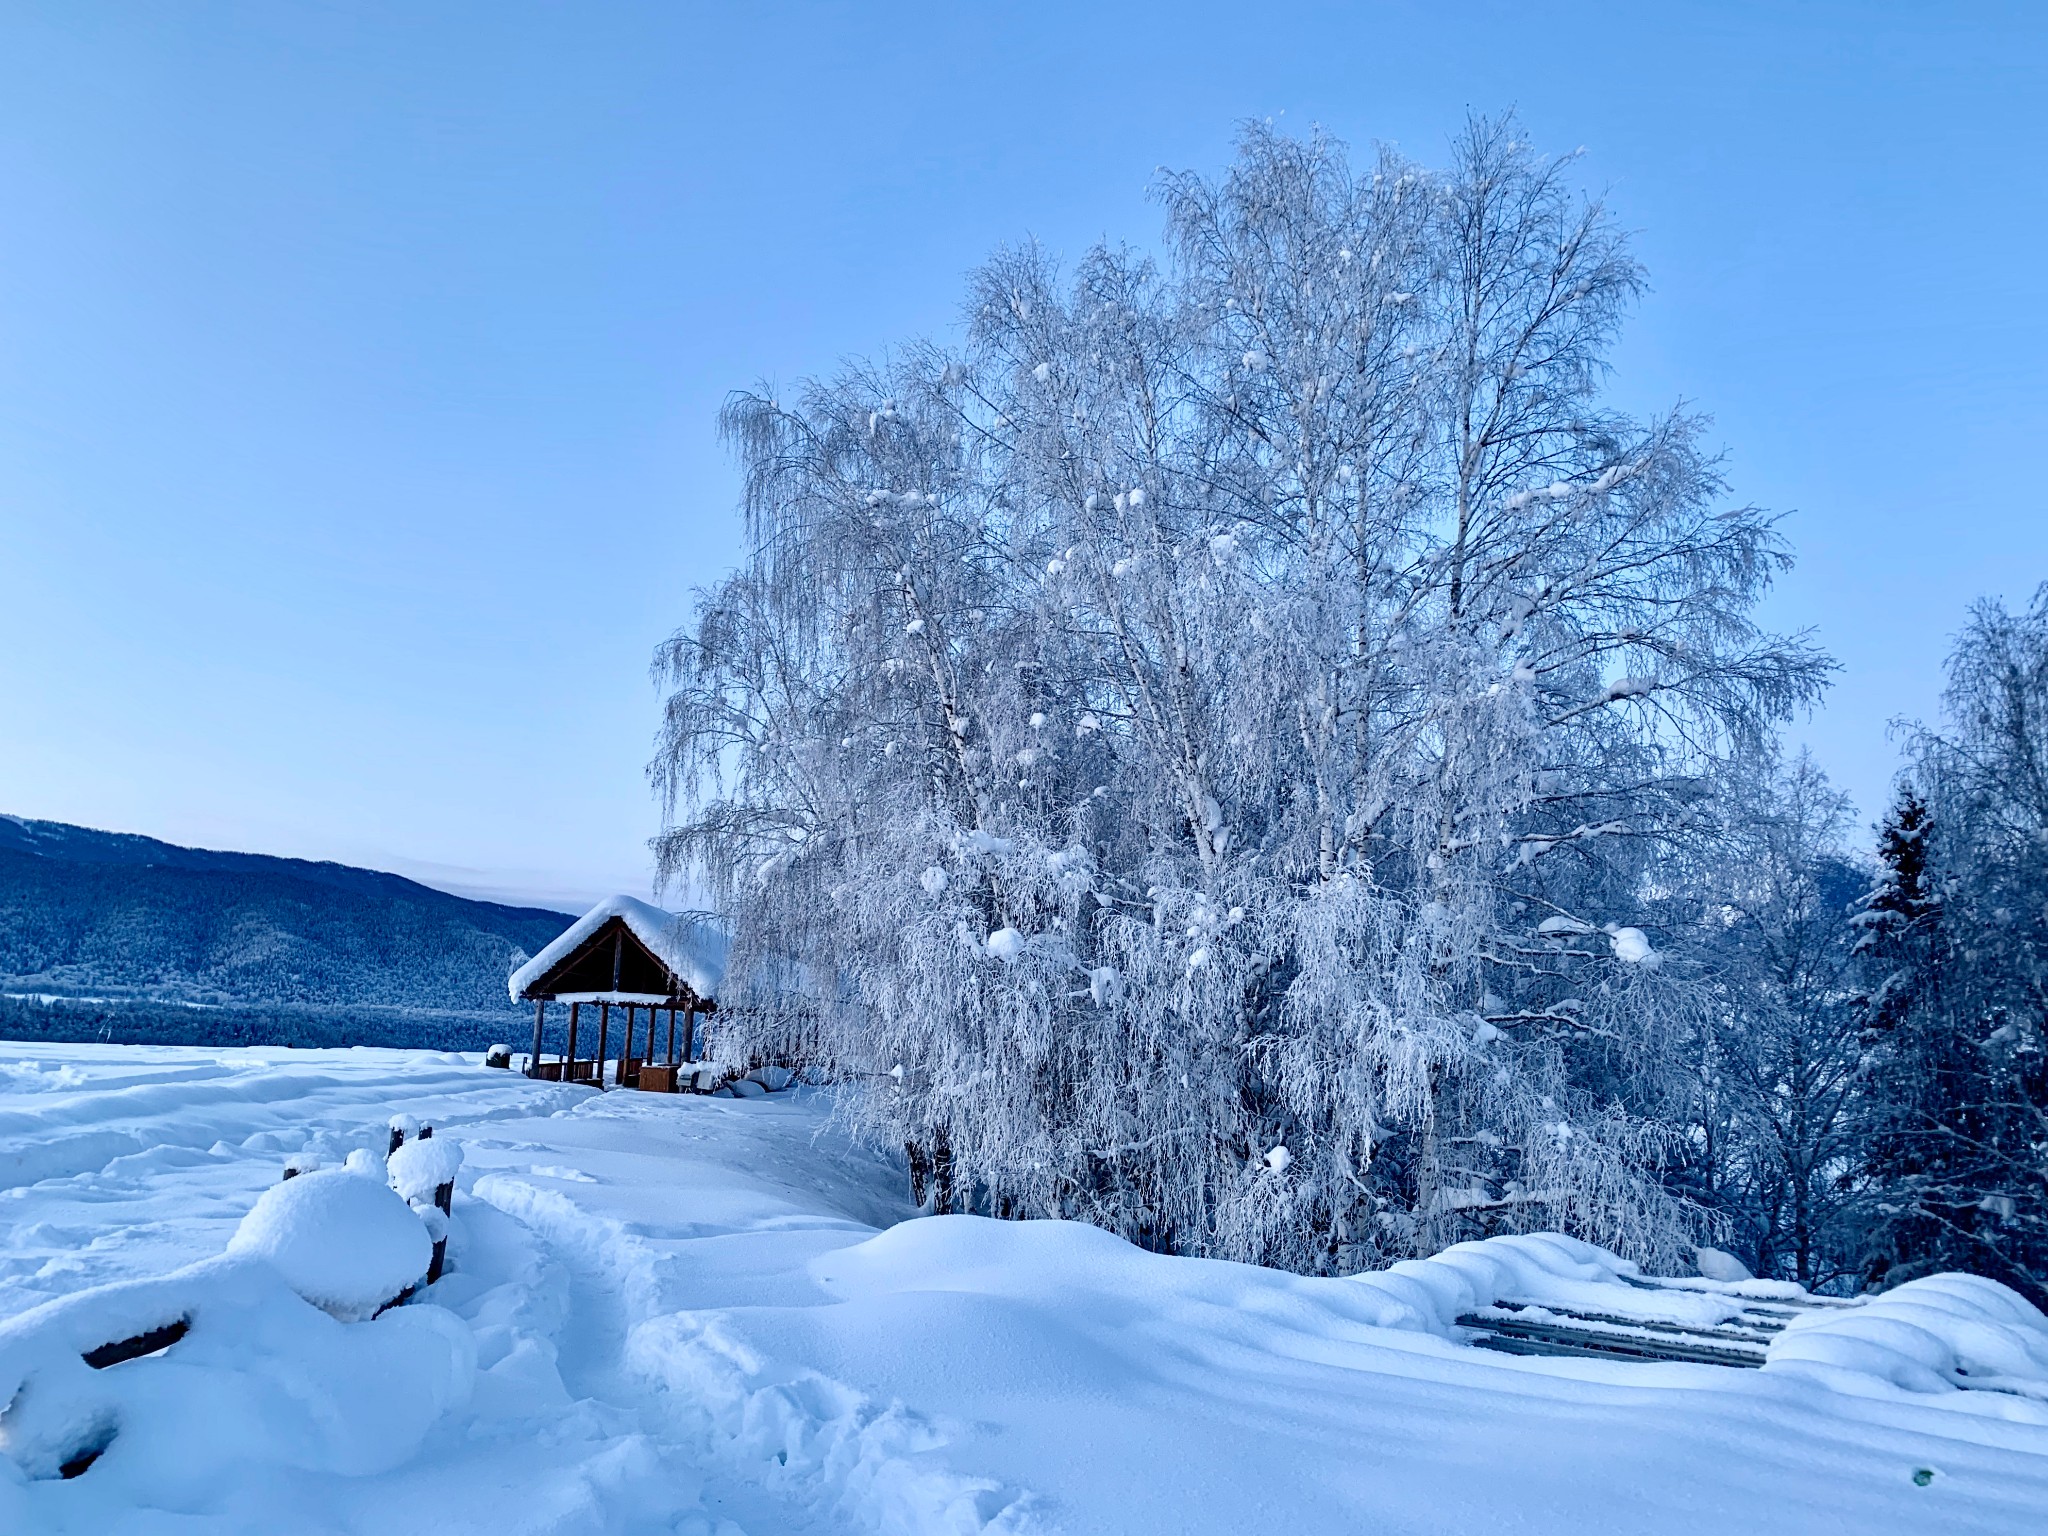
143 1021
88 914
1873 1097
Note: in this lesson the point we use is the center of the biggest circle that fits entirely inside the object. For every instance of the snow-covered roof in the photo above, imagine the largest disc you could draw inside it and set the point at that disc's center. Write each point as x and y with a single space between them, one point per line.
691 947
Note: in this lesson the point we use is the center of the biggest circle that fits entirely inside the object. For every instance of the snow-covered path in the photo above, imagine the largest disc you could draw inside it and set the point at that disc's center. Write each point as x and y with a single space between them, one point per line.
709 1316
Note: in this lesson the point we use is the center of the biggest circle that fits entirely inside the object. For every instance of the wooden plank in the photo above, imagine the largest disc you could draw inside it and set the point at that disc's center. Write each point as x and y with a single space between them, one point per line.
1755 1333
1801 1303
86 1455
1585 1341
145 1343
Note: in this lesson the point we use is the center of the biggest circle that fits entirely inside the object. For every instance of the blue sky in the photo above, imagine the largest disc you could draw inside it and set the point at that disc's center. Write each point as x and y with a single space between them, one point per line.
358 363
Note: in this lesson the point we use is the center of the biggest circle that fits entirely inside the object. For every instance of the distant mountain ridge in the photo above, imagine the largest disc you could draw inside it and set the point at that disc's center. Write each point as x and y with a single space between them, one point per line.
116 916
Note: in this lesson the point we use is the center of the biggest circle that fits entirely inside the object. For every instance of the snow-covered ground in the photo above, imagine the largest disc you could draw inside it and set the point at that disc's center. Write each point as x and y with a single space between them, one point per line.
711 1315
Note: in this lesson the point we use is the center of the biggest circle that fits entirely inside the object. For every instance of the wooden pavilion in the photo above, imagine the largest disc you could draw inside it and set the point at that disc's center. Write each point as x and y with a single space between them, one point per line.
624 953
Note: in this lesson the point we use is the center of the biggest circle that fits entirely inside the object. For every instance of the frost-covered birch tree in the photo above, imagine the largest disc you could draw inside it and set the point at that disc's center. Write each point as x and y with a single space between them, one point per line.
1202 754
1781 1058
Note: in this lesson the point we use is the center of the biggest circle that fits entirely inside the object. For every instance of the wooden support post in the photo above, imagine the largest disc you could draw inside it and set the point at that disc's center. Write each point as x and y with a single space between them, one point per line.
540 1008
920 1170
651 1012
569 1058
690 1032
942 1174
604 1029
671 1034
618 958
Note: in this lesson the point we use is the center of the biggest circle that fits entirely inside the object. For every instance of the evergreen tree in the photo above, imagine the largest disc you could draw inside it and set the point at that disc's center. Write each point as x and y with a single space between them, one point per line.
1955 946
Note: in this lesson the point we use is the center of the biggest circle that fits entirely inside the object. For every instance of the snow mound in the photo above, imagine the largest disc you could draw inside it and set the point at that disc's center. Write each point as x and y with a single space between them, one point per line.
1425 1296
258 1388
346 1244
1718 1264
419 1168
1070 1266
689 946
1935 1335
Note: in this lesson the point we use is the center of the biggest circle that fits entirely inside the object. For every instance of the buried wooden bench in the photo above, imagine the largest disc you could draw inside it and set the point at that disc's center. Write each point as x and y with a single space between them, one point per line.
88 1453
1668 1342
1739 1330
149 1342
1526 1326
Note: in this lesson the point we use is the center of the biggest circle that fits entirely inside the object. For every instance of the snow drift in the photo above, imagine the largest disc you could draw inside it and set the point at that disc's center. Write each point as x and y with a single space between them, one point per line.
1939 1336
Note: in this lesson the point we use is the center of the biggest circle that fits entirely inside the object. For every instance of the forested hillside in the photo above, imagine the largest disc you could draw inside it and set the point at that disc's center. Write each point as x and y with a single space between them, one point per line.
117 917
